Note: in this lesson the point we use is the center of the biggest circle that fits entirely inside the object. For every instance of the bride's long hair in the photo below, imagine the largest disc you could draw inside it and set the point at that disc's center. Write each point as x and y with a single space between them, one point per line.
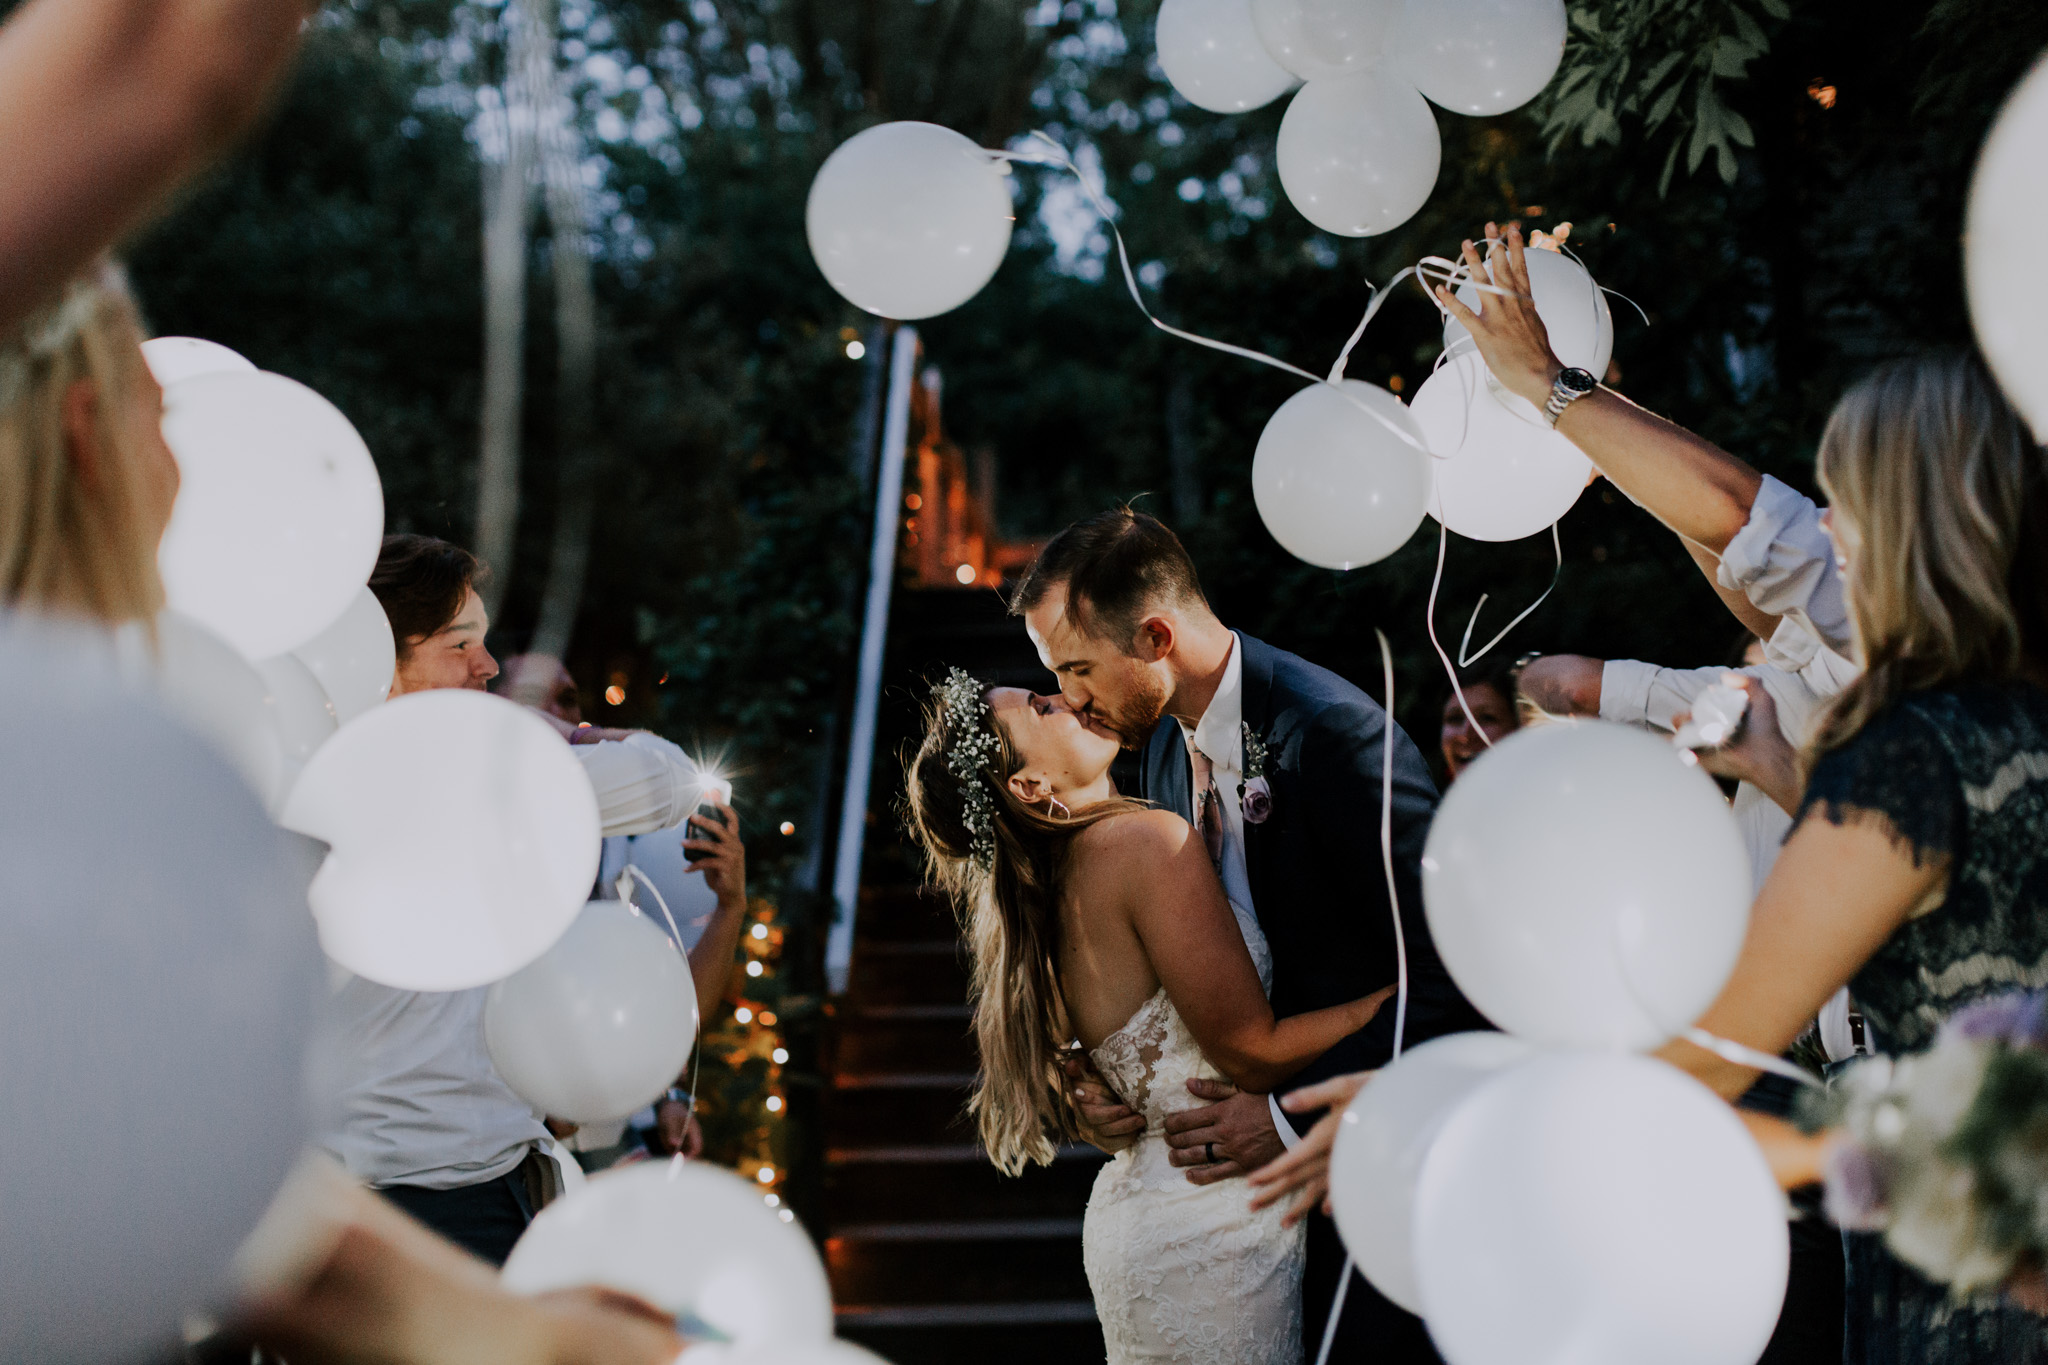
1003 879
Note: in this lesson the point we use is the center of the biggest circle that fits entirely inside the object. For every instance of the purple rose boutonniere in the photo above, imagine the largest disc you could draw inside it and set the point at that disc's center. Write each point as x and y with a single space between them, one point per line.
1257 801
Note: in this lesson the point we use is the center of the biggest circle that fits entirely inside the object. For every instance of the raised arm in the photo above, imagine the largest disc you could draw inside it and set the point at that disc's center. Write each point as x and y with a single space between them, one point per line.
106 106
1163 879
1691 485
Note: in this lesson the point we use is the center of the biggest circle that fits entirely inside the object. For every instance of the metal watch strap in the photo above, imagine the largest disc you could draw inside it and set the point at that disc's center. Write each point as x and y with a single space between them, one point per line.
1562 396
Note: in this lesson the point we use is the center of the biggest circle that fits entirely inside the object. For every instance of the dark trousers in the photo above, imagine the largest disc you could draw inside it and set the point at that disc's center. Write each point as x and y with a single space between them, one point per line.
484 1220
1374 1328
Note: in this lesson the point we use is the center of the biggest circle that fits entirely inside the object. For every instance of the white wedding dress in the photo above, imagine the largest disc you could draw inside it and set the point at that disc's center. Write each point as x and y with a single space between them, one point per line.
1184 1272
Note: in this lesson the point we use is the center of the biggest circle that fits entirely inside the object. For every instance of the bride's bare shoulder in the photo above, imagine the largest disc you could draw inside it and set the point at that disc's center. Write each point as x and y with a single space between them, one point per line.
1137 835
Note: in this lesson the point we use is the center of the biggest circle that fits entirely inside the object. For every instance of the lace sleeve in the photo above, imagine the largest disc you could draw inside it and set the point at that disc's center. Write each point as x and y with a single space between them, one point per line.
1896 770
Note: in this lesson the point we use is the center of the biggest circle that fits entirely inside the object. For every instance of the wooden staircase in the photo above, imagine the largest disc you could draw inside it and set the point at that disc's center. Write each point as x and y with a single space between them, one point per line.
935 1256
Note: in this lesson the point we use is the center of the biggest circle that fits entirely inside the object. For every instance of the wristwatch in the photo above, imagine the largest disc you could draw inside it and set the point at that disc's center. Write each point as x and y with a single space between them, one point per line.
1568 388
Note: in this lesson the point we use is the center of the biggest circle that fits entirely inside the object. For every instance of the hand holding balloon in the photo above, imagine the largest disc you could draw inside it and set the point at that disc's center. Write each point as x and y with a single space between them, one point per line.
1511 337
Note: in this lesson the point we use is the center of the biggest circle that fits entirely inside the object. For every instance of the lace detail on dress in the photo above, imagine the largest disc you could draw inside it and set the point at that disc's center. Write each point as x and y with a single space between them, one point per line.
1183 1272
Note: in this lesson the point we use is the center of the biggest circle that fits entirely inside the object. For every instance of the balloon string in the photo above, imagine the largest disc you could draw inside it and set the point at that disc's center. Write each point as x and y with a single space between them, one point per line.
1336 1312
1429 621
697 1052
1727 1049
1060 158
1387 854
1555 574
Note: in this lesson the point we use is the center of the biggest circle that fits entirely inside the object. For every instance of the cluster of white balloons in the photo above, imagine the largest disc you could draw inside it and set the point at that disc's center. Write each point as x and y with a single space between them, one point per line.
270 640
1549 1193
1500 471
1359 149
2008 196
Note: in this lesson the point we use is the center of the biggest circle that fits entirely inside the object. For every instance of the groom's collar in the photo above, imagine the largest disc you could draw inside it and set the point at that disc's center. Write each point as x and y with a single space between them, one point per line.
1258 660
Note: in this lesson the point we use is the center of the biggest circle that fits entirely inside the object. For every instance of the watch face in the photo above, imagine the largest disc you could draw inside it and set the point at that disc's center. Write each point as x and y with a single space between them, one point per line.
1578 381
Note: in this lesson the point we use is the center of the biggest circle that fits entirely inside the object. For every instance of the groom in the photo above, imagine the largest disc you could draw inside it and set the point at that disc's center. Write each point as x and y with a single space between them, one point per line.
1278 762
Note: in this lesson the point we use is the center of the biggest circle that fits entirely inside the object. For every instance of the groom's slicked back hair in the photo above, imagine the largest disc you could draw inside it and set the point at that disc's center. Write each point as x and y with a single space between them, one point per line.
1116 566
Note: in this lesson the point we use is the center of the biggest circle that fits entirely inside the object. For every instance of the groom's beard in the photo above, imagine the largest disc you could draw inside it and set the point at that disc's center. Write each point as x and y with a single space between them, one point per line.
1133 720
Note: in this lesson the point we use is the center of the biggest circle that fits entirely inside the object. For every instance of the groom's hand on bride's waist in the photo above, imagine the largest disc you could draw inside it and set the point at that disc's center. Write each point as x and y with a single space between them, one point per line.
1230 1136
1106 1121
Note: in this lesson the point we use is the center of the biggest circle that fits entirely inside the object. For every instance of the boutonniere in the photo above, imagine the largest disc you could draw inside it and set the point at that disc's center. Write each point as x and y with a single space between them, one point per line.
1257 801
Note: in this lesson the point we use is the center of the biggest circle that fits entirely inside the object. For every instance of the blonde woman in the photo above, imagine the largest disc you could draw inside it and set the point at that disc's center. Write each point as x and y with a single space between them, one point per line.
1916 872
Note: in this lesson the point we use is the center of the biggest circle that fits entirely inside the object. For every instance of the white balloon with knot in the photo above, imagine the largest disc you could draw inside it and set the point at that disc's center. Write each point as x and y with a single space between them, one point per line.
1211 53
697 1242
463 840
2008 202
1340 476
908 220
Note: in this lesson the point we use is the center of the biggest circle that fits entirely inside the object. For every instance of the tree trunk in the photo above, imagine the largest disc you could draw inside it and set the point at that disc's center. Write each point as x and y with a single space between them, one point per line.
576 375
529 42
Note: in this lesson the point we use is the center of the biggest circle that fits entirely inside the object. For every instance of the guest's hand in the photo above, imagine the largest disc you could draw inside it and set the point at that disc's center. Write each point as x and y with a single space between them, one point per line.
1760 754
1511 337
1304 1172
676 1129
716 851
1106 1121
1229 1137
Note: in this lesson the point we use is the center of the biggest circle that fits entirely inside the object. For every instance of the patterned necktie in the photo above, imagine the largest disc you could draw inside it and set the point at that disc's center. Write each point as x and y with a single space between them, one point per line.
1208 804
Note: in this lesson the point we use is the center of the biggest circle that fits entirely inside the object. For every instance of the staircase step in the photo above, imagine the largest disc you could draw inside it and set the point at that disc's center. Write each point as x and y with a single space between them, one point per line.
1049 1332
913 972
960 1260
895 1037
898 1106
867 1185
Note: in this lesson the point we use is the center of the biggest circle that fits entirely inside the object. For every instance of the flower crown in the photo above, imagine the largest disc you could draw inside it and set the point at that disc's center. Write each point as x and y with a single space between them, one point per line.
971 746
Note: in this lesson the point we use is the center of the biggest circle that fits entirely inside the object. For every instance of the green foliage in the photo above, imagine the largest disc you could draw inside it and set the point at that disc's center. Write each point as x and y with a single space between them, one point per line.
1659 61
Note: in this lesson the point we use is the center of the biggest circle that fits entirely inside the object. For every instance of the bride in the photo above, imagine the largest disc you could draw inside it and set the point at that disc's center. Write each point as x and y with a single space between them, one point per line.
1095 917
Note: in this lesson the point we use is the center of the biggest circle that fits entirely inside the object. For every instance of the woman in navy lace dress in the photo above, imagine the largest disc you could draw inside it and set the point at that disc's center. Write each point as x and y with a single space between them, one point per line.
1917 870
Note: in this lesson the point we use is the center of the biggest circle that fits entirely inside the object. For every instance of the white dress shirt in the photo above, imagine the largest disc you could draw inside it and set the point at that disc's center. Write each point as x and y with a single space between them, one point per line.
1219 734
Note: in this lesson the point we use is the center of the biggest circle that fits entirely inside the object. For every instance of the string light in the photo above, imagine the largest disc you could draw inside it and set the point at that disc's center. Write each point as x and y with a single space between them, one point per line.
775 1103
744 1015
766 1175
788 827
754 969
854 350
760 931
780 1055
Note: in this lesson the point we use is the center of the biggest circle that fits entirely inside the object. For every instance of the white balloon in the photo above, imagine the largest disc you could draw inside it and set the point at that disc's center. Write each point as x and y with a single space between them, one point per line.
1211 53
279 513
354 658
1335 485
694 1240
465 838
1385 1134
601 1023
208 685
1586 886
1495 475
1479 57
1598 1209
1574 313
908 220
171 359
299 710
1321 39
157 995
1358 155
2008 201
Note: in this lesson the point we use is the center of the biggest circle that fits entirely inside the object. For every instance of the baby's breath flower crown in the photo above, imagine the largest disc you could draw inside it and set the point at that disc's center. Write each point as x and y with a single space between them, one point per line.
971 753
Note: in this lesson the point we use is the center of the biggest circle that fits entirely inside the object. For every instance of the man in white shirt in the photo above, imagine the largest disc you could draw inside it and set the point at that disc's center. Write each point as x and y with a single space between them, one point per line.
426 1119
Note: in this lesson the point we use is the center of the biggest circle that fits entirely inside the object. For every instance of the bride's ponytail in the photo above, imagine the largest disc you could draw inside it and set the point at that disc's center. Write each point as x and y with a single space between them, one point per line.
999 862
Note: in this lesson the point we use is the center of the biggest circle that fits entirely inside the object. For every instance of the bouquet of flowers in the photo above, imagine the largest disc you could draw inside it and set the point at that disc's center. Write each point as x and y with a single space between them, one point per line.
1946 1152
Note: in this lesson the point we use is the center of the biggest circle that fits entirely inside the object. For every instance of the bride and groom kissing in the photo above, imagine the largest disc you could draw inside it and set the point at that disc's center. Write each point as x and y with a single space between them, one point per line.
1216 942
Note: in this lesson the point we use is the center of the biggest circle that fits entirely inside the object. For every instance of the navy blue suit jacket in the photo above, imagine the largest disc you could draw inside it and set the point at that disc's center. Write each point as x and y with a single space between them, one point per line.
1318 885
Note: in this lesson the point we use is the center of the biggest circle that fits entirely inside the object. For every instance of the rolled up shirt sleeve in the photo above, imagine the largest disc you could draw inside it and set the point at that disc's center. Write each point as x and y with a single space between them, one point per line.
643 783
1784 563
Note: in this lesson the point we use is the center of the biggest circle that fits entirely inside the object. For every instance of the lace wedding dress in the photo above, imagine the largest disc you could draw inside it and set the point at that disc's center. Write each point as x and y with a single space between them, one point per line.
1184 1272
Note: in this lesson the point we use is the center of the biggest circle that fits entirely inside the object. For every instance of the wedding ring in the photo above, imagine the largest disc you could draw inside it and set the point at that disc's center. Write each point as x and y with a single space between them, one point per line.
1210 1148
